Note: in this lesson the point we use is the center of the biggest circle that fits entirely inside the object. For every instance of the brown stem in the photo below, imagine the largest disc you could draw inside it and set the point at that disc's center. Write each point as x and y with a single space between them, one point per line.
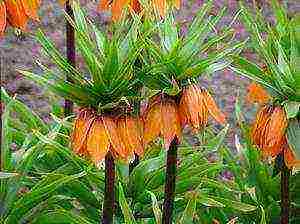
70 44
170 182
109 194
285 199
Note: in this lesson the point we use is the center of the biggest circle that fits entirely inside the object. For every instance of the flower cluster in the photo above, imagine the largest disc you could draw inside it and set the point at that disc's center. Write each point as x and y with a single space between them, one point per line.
17 13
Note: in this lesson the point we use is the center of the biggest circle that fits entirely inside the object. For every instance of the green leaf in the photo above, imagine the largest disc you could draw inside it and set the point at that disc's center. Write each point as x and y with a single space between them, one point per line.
138 175
26 115
293 136
240 206
208 201
189 211
127 213
44 189
292 108
59 217
155 207
215 142
5 175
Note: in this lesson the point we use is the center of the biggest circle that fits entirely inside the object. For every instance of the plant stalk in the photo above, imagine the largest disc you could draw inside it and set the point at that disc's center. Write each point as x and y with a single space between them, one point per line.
285 198
70 44
109 194
170 182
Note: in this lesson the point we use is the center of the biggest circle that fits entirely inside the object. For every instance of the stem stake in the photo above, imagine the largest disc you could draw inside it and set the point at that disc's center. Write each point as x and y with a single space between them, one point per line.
170 182
285 199
109 194
70 44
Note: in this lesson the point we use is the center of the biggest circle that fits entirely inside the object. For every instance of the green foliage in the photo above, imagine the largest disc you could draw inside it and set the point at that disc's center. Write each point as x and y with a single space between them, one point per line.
279 49
173 61
42 177
110 62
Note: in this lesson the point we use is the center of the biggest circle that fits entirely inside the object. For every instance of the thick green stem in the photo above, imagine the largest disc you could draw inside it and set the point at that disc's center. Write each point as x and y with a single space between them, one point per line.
109 194
70 44
170 182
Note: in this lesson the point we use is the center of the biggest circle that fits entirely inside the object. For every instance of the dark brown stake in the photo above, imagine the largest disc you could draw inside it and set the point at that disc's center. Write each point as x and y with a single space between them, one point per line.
109 194
285 199
170 182
70 43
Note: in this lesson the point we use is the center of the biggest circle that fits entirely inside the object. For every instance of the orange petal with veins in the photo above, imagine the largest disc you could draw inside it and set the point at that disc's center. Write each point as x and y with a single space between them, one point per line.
177 4
97 142
130 130
257 94
30 8
276 131
81 129
212 108
2 18
16 14
117 8
118 147
290 158
104 5
170 122
160 6
152 119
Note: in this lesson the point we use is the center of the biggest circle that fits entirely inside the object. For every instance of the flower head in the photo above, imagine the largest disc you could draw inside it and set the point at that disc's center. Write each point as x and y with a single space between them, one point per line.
162 119
196 105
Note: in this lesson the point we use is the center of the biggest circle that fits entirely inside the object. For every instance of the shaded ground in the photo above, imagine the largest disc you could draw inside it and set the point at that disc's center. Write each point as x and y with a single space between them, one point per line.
22 51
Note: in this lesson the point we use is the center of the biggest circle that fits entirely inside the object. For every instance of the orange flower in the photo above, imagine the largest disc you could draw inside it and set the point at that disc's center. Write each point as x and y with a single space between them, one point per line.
31 8
194 107
290 158
130 131
162 119
82 126
260 125
135 5
94 135
268 131
2 18
160 6
212 107
117 6
257 94
16 14
275 132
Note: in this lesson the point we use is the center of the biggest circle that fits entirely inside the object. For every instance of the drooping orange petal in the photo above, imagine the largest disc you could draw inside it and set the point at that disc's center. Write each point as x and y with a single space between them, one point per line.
203 113
170 122
131 134
259 124
189 107
212 108
104 5
16 14
135 5
82 125
97 142
2 18
160 6
118 147
117 9
257 94
290 158
152 119
31 8
276 131
177 4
